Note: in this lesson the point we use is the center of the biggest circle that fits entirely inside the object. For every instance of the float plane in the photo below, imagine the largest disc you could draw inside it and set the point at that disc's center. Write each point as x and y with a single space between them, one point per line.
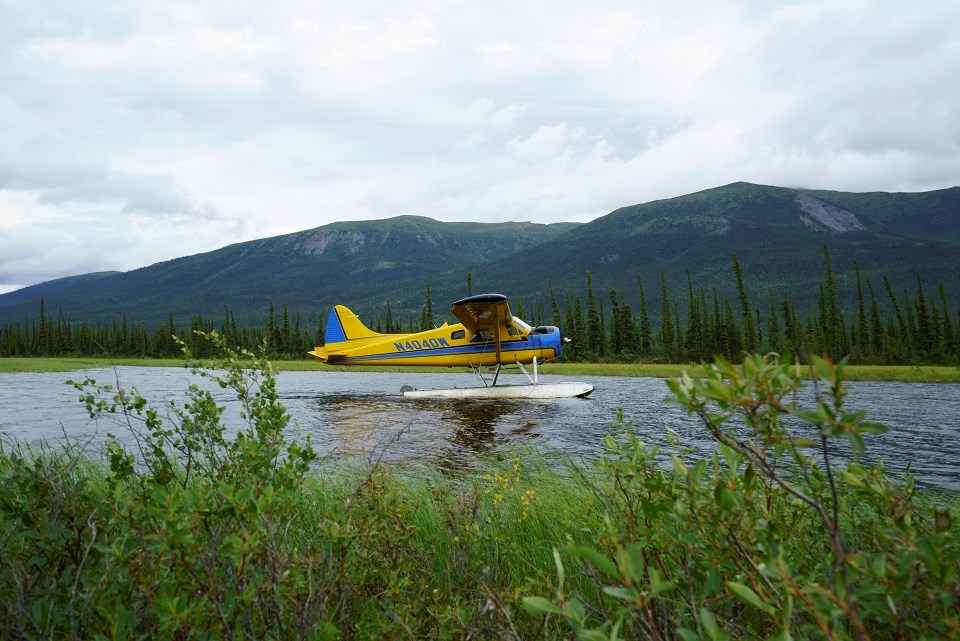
487 336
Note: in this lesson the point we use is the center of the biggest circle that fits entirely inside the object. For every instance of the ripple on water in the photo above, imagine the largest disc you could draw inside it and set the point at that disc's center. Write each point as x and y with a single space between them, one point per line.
354 414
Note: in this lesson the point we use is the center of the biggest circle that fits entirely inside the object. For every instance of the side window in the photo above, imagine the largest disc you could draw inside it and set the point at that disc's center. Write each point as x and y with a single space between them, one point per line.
482 336
516 333
458 335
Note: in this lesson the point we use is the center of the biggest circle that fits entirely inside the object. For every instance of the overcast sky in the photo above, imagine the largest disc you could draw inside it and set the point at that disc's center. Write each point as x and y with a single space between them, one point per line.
135 131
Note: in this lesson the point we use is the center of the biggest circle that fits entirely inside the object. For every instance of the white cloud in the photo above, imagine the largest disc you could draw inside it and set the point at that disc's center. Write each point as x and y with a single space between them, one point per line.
141 130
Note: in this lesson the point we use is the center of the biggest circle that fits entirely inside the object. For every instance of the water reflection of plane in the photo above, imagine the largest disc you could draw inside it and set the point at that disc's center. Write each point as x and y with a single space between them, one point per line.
355 425
476 422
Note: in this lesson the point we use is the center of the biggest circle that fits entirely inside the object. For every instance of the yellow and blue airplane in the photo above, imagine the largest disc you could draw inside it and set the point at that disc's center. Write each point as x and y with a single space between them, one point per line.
487 335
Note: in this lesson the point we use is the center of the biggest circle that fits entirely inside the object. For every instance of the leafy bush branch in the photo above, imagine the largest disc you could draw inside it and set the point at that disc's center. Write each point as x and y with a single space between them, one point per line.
768 524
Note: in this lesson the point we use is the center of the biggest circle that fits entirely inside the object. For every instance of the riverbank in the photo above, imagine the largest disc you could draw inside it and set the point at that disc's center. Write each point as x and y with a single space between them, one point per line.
898 373
214 533
420 553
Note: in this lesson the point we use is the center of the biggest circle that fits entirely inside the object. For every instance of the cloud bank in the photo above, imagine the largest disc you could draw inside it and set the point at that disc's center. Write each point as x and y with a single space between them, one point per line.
138 131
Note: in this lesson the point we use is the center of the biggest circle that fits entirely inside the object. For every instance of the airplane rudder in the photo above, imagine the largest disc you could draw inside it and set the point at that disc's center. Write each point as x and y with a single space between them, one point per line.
334 332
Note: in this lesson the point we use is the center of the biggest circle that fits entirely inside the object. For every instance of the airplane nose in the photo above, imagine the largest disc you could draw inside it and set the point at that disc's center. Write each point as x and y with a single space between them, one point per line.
561 339
550 337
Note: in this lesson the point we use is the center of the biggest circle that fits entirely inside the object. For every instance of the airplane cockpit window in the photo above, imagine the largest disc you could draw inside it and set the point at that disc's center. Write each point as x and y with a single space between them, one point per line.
457 335
512 331
482 336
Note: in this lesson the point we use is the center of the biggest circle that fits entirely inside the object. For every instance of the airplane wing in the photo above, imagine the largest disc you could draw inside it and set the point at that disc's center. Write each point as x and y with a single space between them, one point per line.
484 311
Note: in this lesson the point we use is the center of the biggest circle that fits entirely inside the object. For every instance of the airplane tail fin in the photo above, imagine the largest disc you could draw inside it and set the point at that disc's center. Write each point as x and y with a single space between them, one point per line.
342 326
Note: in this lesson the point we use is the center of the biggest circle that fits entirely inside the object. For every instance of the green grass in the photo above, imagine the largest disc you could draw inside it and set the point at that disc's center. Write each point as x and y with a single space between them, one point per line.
71 363
902 373
433 550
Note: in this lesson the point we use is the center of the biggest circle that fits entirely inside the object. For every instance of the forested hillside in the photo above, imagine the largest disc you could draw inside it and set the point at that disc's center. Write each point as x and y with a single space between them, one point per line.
309 270
898 252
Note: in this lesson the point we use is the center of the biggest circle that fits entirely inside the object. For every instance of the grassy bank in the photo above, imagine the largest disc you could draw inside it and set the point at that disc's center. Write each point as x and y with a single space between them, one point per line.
202 533
904 373
406 553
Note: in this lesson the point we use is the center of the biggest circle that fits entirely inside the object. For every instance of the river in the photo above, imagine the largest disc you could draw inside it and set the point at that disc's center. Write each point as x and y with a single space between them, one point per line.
355 415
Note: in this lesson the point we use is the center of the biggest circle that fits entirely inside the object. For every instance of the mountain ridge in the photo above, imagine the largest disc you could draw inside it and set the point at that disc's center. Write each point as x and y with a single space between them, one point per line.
777 233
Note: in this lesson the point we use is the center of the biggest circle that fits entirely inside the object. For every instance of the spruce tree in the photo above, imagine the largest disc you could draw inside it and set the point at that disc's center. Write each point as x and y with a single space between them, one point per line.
732 340
693 340
616 339
285 333
666 336
298 346
791 330
628 328
862 339
705 323
426 313
594 326
271 330
646 334
902 330
603 329
876 326
749 330
949 335
554 306
835 328
388 321
716 328
579 337
925 325
774 341
42 341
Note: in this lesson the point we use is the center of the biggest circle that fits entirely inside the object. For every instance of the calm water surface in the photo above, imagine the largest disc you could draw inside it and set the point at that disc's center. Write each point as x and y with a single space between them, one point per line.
359 414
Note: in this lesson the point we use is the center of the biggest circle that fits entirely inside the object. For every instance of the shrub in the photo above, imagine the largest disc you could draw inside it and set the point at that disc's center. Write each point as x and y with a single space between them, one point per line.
765 539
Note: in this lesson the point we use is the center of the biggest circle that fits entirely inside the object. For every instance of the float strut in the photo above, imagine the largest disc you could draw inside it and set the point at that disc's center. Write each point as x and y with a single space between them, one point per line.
534 380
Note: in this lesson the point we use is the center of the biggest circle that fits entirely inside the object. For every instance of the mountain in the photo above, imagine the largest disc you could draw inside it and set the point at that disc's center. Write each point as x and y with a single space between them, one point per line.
777 233
309 270
30 295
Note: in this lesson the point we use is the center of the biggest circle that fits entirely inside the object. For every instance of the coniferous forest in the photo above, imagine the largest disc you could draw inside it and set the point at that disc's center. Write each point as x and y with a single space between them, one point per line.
881 326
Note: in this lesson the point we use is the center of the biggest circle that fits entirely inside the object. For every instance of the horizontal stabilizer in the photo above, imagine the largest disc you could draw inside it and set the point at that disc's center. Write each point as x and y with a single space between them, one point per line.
320 353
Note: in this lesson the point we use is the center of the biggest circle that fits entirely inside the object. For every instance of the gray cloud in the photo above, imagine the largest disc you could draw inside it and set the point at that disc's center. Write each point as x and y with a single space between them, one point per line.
136 194
174 128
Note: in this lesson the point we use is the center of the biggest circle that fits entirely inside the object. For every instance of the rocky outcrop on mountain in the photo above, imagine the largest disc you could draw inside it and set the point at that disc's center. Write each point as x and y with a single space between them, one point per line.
822 214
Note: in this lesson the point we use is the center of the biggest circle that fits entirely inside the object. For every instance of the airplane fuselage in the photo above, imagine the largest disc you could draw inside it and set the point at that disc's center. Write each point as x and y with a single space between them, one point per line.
445 346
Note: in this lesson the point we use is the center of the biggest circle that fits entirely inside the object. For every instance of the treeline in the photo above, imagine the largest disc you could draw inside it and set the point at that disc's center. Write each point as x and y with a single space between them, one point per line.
914 327
46 335
884 327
